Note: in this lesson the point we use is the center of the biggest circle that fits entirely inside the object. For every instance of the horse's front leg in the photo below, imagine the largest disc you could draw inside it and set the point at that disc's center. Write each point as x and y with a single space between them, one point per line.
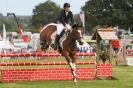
72 66
73 71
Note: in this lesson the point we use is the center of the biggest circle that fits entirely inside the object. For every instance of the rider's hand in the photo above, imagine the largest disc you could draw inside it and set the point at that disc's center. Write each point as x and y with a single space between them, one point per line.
68 27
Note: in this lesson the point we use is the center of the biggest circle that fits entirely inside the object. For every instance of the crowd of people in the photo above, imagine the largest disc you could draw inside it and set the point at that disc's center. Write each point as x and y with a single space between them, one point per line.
85 48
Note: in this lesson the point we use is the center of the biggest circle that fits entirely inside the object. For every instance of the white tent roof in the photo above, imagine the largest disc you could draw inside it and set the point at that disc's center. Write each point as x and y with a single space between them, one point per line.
6 45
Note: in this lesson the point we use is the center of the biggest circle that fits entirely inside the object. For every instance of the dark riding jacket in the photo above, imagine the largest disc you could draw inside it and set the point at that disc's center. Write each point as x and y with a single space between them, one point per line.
63 18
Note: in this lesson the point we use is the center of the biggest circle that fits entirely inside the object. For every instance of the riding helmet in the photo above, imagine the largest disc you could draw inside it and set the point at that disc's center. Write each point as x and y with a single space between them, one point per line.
66 5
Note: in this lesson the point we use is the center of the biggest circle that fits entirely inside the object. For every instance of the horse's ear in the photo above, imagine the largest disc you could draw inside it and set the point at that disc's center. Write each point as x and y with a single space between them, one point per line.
75 26
80 25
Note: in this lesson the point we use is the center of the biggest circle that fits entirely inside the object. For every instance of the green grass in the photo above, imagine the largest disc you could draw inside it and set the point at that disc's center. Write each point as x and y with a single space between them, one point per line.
124 74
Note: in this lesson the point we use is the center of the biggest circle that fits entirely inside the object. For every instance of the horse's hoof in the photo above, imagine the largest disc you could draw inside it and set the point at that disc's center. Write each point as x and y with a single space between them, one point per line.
75 83
55 48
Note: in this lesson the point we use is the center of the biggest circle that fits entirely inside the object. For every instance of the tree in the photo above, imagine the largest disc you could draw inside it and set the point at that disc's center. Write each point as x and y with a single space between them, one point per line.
109 13
10 24
45 13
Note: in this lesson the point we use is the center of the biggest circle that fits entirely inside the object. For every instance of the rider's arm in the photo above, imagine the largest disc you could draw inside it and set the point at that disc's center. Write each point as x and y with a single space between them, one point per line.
62 18
71 18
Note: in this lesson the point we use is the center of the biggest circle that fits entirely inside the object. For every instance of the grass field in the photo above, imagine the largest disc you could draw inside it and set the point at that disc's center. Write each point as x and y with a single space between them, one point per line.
124 74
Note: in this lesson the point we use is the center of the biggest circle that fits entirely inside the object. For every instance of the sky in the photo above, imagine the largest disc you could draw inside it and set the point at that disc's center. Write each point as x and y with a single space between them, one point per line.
25 7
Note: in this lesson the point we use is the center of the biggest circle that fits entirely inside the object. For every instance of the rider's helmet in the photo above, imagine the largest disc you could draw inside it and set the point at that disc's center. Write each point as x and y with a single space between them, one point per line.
66 5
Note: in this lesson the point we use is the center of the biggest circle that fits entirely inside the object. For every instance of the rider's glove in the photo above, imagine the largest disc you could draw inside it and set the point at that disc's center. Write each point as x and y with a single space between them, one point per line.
68 27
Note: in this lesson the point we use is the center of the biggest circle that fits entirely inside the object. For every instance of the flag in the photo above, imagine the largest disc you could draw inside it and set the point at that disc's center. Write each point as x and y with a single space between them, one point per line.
82 18
21 31
4 33
24 37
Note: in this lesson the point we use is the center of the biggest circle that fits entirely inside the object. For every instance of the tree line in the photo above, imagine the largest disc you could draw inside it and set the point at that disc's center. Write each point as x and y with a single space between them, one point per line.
97 13
109 13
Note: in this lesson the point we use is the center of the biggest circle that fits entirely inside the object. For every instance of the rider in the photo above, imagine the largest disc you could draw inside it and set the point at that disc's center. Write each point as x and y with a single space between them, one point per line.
65 18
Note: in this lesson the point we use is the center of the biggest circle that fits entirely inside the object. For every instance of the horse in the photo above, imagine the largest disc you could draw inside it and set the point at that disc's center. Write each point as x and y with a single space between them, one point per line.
68 43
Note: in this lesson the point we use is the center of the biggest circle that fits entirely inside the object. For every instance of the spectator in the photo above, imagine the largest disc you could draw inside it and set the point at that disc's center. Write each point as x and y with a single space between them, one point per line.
0 37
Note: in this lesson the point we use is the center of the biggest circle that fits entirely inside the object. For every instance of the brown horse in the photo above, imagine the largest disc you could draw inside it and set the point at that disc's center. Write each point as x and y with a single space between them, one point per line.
68 46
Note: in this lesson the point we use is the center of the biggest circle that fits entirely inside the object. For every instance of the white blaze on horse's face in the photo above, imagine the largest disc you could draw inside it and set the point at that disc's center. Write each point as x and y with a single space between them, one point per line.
80 33
81 37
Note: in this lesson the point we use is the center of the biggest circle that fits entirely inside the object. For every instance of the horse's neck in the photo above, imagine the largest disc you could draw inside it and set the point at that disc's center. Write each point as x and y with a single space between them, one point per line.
69 38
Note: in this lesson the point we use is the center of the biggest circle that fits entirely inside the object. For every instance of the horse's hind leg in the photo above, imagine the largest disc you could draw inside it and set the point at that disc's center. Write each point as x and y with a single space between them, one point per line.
44 45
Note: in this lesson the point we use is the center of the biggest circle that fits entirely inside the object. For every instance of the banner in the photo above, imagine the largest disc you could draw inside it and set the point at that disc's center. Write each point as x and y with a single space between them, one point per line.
24 37
4 33
82 18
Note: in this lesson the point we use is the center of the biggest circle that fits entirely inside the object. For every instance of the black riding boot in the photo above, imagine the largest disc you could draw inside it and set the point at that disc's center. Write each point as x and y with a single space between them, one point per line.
56 42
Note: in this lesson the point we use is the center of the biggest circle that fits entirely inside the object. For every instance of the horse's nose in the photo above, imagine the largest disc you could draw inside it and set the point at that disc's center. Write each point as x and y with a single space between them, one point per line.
81 43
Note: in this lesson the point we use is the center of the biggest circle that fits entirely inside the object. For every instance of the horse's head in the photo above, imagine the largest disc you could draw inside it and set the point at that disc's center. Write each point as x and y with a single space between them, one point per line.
77 33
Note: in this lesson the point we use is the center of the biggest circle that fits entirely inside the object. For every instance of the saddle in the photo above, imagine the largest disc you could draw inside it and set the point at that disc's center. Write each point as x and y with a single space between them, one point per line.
63 36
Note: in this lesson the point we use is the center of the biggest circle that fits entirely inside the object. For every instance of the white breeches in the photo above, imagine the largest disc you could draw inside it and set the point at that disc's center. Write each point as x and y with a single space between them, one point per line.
60 28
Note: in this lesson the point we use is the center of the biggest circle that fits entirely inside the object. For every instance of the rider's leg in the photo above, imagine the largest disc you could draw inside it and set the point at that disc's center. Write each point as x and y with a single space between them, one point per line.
56 42
60 28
